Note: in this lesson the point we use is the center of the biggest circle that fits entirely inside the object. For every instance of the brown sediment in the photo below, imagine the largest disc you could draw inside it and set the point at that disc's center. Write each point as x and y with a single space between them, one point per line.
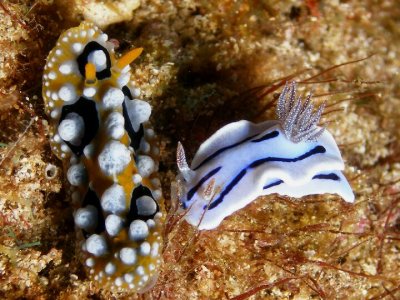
206 64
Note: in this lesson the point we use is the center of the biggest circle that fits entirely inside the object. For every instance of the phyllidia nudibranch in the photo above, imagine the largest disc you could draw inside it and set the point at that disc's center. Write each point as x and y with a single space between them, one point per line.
101 133
290 156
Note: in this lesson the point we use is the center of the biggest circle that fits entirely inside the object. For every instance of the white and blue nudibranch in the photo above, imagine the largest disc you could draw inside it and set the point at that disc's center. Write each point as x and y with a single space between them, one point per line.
290 156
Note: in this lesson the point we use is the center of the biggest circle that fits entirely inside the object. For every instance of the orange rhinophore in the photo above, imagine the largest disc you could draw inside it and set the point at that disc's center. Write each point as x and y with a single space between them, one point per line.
101 132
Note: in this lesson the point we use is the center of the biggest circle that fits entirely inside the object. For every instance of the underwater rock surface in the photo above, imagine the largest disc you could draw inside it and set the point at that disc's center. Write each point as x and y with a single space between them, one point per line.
205 65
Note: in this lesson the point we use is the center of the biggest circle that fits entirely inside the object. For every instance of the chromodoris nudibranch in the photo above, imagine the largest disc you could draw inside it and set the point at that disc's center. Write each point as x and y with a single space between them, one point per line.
291 156
101 132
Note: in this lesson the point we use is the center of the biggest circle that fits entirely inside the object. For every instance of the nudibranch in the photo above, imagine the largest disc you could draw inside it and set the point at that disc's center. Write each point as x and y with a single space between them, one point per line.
290 156
100 130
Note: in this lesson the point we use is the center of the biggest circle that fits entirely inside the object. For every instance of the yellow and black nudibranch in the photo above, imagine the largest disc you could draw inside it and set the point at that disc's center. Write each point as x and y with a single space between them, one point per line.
101 132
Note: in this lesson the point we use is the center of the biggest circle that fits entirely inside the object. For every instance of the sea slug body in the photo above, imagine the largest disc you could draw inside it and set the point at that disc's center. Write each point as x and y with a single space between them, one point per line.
102 134
291 156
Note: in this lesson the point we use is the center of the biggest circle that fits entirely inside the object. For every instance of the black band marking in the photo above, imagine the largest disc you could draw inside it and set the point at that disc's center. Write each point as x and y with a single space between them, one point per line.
194 189
135 136
133 211
87 110
228 188
83 60
267 136
316 150
330 176
275 183
92 199
219 151
127 92
231 185
270 135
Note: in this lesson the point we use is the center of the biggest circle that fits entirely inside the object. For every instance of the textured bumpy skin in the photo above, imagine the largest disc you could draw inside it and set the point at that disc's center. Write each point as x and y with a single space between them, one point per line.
243 161
102 134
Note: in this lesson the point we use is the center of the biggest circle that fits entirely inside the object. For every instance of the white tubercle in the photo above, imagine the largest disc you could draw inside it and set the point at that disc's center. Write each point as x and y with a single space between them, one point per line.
128 277
136 179
77 47
115 125
146 165
144 249
72 128
113 98
67 93
113 199
99 59
138 230
77 175
118 281
114 158
86 218
110 268
96 245
123 79
154 249
150 223
67 67
89 150
90 262
89 92
114 224
146 206
139 112
128 256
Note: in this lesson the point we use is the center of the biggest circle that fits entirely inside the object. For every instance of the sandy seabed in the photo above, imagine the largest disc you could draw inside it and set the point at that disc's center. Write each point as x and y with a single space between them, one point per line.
205 64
